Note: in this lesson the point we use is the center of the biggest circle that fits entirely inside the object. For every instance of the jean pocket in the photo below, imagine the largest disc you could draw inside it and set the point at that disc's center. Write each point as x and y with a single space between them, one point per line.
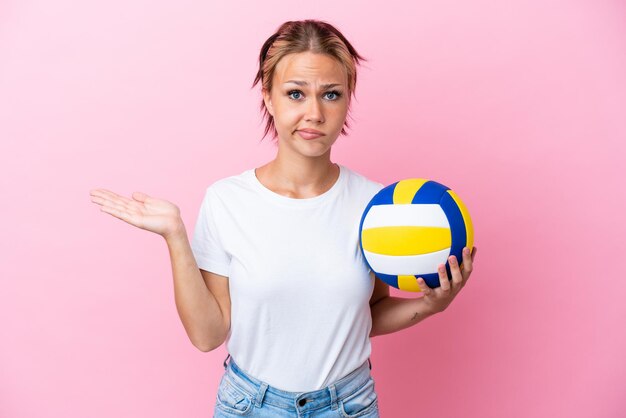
362 402
230 398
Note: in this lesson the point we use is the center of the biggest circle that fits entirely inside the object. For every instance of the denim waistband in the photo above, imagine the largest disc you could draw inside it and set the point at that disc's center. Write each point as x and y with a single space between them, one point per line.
262 392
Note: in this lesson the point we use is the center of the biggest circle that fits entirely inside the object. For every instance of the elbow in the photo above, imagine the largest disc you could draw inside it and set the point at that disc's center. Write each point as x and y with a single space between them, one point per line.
206 345
374 334
205 348
202 347
208 341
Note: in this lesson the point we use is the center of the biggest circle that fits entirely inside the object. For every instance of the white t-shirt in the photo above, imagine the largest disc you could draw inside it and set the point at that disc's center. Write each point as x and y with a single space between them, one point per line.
299 285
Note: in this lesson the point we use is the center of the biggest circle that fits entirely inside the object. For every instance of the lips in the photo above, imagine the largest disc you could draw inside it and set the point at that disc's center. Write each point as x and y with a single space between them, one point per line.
309 133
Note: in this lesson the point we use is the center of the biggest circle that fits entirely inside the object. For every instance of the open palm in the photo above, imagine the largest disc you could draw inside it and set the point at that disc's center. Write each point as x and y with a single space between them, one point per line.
145 212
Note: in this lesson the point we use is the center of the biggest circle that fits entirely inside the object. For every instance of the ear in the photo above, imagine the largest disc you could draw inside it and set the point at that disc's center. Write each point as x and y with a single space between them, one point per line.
268 101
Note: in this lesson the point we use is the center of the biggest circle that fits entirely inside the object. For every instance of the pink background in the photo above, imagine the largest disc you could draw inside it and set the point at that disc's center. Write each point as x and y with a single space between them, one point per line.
520 106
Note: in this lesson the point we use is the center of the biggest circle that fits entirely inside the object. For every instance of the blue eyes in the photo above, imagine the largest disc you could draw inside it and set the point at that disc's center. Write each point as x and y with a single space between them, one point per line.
292 92
334 93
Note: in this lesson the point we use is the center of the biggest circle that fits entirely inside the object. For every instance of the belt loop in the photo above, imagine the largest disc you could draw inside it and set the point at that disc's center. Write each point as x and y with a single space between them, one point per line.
370 362
333 398
226 360
260 395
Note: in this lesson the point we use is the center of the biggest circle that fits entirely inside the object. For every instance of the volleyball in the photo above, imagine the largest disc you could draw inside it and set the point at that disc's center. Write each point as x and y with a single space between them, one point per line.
409 228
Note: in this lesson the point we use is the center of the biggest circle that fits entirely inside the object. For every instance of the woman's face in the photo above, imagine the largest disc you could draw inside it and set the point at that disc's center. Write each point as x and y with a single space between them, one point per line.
309 92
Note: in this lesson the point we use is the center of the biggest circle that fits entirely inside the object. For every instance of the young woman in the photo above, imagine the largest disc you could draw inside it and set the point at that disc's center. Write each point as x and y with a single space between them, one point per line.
274 268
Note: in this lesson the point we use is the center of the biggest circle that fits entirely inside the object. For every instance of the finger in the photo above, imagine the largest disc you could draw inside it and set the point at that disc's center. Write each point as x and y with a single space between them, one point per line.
467 261
120 214
99 200
141 197
423 286
457 276
107 194
115 201
109 204
444 282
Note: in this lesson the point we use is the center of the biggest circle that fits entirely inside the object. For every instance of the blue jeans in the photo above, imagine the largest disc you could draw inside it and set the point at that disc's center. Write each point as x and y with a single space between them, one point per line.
240 394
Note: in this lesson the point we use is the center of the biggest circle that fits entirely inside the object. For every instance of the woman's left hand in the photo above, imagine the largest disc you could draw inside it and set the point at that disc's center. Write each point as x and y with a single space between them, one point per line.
440 297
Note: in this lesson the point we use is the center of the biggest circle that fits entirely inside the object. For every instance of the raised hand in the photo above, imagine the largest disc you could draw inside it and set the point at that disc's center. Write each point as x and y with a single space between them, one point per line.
440 297
145 212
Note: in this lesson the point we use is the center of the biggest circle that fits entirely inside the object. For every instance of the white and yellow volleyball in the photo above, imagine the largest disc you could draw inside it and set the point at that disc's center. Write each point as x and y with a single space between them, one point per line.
412 226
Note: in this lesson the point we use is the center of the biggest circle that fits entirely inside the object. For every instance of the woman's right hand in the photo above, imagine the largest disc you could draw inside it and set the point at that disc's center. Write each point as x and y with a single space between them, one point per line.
145 212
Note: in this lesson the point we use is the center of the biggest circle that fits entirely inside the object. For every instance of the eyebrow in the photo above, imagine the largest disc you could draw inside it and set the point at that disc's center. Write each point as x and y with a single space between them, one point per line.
304 83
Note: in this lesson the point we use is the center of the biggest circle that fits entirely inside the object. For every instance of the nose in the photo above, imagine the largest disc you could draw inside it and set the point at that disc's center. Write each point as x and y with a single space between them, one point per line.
314 111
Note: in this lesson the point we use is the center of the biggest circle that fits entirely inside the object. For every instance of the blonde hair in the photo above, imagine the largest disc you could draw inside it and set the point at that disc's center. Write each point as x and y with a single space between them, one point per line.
302 36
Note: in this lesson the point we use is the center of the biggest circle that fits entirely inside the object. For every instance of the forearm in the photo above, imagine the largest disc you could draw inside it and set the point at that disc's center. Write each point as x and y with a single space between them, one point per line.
197 307
392 314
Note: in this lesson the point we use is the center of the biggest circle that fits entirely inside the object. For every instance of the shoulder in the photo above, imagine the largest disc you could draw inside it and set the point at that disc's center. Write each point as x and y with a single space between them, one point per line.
230 186
359 183
235 191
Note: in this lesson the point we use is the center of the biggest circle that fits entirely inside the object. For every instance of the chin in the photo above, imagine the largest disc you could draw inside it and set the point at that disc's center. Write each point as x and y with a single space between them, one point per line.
313 150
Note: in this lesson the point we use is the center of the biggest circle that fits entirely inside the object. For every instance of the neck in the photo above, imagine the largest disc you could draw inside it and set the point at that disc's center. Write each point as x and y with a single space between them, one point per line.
299 176
304 171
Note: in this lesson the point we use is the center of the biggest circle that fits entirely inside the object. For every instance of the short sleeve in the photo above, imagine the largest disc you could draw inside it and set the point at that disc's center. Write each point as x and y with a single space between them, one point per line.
206 245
